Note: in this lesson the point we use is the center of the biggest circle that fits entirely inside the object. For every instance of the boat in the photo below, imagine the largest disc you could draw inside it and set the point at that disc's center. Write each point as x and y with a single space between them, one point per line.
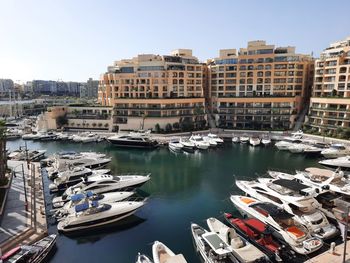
244 251
35 253
90 197
244 139
287 143
188 146
199 142
31 155
235 139
312 150
62 136
210 246
216 138
91 137
340 162
266 141
336 150
260 235
298 134
254 141
103 184
31 136
132 140
212 142
175 145
297 236
49 136
141 258
78 174
163 254
296 199
93 214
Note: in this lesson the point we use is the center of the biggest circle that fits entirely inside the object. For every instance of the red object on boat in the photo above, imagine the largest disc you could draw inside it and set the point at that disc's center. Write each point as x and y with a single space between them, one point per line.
10 253
256 224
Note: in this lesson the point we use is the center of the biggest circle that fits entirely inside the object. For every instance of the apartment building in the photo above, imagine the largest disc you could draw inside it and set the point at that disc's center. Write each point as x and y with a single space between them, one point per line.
330 101
153 89
261 86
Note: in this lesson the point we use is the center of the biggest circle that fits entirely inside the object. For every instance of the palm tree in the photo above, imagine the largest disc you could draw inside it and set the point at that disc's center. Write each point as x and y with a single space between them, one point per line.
3 158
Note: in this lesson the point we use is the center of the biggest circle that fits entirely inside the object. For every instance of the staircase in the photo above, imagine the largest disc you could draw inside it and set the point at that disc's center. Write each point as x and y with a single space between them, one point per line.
299 122
210 117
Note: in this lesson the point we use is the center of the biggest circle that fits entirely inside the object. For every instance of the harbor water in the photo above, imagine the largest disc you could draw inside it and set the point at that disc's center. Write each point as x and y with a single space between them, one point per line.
184 188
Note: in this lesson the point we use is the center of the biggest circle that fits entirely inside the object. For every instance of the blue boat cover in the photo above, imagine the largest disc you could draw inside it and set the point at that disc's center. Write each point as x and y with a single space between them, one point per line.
77 197
89 193
81 207
94 203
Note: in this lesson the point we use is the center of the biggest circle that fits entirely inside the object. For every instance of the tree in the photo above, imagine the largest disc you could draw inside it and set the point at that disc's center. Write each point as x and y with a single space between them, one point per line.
61 121
186 124
168 128
176 126
157 128
3 159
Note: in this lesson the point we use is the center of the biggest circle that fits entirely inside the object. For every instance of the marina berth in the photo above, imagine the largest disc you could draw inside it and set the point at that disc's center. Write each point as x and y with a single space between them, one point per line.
198 141
94 214
163 254
244 251
296 199
287 229
261 236
210 246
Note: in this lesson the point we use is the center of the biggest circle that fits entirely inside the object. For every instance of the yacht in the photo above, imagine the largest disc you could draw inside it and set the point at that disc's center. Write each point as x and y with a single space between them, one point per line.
298 134
260 235
91 137
266 141
295 199
283 222
335 151
212 142
22 155
312 150
49 136
133 141
175 145
210 246
244 139
244 251
340 162
163 254
103 184
31 136
62 136
94 214
216 138
187 145
199 142
35 253
141 258
286 143
90 197
235 139
254 141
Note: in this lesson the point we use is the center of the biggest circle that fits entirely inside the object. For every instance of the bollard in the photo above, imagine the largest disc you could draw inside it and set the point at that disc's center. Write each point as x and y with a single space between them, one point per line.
332 248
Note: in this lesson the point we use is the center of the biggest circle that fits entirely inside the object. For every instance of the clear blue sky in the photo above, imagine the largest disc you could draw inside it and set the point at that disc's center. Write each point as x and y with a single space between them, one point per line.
77 39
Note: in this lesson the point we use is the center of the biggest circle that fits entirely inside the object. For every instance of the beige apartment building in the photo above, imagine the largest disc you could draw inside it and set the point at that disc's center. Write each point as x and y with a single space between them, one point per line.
330 101
152 89
261 86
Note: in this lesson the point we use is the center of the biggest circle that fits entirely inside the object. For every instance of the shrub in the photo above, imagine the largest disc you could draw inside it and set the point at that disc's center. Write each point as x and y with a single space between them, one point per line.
157 128
168 128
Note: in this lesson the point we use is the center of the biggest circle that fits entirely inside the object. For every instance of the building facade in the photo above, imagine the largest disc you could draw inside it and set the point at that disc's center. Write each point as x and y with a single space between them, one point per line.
6 88
151 89
258 87
89 90
330 101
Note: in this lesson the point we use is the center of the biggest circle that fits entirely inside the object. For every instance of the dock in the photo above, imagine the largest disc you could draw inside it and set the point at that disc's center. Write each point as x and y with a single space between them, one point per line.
335 257
24 218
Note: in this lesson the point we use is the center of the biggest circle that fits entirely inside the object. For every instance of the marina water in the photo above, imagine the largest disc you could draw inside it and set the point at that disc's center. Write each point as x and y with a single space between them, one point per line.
184 188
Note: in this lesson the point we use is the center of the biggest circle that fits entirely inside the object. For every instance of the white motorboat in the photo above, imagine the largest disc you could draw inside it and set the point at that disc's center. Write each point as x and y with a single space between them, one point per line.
91 137
244 139
175 145
210 246
282 222
31 136
32 155
295 198
298 134
216 138
141 258
187 144
49 136
340 162
254 141
244 251
199 142
112 197
163 254
95 214
335 151
212 142
62 136
235 139
312 150
286 143
297 148
103 184
266 141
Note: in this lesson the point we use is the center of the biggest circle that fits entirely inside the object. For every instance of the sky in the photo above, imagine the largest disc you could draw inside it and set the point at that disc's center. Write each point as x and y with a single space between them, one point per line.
72 40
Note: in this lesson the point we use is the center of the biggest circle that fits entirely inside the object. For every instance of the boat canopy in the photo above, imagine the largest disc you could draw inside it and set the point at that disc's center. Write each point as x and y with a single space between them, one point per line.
290 184
89 193
215 242
328 196
272 210
94 203
77 197
82 207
